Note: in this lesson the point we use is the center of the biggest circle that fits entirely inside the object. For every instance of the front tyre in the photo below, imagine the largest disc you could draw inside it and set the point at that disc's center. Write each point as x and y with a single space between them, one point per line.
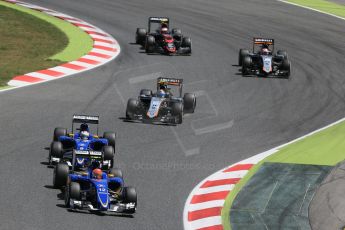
177 112
132 107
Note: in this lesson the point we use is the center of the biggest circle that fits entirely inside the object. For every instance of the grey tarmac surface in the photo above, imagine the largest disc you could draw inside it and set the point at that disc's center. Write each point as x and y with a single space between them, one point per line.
165 163
327 208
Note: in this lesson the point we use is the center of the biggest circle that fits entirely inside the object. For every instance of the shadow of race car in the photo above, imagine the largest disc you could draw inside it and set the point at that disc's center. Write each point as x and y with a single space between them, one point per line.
161 107
158 39
64 143
262 61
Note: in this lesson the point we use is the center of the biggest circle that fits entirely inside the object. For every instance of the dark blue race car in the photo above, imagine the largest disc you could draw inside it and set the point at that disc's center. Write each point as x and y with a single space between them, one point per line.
63 143
93 189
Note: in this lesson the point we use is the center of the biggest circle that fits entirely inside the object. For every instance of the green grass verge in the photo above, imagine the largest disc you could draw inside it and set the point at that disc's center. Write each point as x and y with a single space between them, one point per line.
79 42
31 41
322 5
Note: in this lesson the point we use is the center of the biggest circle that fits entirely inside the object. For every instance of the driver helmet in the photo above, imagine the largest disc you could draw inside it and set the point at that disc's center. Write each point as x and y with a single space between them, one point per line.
164 29
84 127
265 51
84 135
97 173
162 90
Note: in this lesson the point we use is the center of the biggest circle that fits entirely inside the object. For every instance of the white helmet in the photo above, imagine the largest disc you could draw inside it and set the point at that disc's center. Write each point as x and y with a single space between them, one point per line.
84 135
164 30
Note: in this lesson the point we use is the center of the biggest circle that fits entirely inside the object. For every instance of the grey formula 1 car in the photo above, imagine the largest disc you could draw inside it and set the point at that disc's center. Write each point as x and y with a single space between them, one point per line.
163 106
262 61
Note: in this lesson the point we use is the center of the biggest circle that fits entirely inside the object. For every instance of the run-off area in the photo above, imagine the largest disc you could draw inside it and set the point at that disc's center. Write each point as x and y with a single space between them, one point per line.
277 197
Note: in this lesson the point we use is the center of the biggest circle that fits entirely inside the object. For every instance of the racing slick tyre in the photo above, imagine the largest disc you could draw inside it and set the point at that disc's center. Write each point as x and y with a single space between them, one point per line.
60 175
59 132
187 43
241 55
56 149
129 195
140 36
189 103
116 172
283 53
286 67
176 32
110 136
72 191
246 63
177 112
145 92
150 44
131 110
108 153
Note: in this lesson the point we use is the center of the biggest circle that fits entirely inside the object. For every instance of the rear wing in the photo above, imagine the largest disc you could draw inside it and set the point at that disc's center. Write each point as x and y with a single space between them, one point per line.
169 81
87 119
263 41
90 154
161 20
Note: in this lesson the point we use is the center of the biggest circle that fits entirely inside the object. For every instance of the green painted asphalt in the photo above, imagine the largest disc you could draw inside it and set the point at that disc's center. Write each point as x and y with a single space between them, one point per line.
326 148
79 44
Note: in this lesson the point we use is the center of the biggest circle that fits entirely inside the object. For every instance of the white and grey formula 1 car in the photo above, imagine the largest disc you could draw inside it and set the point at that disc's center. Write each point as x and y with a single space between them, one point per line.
262 61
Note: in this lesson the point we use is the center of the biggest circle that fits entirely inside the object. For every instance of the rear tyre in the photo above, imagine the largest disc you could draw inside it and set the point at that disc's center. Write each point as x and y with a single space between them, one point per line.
132 107
189 103
108 153
140 36
145 92
177 112
176 32
150 44
283 53
60 175
242 53
58 132
116 172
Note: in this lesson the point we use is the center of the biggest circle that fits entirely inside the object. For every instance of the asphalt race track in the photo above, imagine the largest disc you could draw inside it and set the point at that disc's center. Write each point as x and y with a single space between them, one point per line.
235 117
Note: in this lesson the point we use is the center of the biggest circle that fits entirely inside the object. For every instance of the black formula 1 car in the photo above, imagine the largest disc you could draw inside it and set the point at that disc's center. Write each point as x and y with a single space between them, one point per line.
161 107
262 61
159 39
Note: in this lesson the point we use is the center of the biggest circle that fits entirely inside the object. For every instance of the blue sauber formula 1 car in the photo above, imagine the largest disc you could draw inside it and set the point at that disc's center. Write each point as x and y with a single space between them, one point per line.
94 190
63 143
